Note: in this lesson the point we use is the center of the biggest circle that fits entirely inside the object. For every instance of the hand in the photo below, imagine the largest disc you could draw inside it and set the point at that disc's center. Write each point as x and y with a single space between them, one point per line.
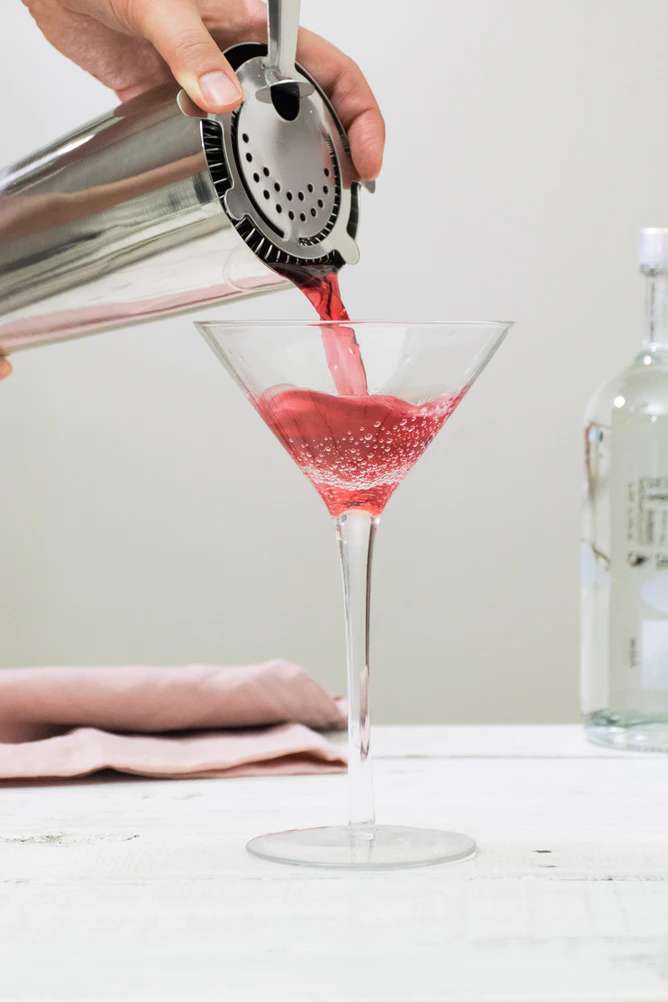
5 368
133 45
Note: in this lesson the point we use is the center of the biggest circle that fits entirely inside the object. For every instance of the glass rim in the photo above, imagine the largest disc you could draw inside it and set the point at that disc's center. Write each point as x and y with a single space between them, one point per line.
430 324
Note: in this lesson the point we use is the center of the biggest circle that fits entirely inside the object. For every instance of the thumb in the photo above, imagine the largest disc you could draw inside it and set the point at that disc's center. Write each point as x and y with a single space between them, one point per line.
177 31
5 367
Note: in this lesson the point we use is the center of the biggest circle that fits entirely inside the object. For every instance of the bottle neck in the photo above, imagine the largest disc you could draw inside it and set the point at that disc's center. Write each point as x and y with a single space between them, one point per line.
656 331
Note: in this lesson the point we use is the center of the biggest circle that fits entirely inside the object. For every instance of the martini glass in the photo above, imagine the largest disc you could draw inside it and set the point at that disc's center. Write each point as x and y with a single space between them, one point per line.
355 448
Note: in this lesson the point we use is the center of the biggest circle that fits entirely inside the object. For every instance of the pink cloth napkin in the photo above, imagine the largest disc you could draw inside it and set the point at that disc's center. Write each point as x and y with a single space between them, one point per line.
197 720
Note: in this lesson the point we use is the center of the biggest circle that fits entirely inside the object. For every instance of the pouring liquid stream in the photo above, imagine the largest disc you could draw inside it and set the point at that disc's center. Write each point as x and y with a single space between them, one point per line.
340 344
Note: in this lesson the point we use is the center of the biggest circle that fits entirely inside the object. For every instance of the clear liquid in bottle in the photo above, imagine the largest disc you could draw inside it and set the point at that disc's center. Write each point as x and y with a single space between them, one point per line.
624 653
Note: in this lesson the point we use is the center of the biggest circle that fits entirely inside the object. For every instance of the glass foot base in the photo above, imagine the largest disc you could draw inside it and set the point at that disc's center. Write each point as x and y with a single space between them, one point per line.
628 731
383 847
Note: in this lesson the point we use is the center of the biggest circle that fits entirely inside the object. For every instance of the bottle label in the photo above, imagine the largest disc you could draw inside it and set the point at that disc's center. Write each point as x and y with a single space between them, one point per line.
639 560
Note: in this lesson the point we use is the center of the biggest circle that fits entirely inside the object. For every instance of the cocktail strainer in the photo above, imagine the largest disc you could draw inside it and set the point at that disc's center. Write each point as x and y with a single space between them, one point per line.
281 163
157 207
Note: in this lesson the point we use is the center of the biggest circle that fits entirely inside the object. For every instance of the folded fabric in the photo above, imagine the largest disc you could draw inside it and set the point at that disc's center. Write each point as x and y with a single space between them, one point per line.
197 720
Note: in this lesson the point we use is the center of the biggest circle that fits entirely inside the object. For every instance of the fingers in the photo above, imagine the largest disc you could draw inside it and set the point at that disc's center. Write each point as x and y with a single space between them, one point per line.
5 368
177 31
352 97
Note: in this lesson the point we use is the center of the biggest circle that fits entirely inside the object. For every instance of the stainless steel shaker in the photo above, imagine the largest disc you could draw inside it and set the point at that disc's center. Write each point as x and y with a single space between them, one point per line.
158 207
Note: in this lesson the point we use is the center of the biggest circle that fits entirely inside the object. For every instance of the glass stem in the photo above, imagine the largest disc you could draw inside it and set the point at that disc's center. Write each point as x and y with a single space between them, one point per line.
355 532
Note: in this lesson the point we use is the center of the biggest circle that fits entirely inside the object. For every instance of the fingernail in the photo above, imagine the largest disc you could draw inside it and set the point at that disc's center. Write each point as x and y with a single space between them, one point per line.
219 89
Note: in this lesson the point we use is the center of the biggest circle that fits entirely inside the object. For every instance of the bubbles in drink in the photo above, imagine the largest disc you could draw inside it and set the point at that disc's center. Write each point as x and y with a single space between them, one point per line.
354 470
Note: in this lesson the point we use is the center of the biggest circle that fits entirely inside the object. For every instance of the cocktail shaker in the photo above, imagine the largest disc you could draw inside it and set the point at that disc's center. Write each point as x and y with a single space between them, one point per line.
158 207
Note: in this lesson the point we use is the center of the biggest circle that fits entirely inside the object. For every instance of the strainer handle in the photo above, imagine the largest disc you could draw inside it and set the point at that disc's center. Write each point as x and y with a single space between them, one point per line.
283 18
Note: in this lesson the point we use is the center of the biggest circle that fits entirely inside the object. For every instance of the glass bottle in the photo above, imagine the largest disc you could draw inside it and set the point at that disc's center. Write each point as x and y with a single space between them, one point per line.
624 640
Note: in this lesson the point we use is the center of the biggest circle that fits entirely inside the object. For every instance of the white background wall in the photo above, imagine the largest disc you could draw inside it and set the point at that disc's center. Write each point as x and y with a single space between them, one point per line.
527 143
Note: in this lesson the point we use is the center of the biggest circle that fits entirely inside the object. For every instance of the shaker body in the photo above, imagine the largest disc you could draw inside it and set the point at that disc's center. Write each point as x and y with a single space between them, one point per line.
117 223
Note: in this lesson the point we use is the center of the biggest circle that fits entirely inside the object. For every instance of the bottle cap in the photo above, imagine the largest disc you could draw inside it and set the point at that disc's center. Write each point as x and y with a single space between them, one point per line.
653 249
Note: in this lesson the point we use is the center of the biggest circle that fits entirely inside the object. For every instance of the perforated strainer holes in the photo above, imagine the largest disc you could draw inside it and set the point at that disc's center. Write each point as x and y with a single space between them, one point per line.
272 189
300 215
281 221
312 206
325 189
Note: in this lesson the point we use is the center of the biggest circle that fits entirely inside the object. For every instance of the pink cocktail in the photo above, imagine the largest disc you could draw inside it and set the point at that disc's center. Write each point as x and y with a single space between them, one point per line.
354 450
356 405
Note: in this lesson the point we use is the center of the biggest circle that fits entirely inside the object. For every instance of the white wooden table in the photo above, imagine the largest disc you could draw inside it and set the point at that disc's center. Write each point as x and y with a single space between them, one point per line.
130 889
